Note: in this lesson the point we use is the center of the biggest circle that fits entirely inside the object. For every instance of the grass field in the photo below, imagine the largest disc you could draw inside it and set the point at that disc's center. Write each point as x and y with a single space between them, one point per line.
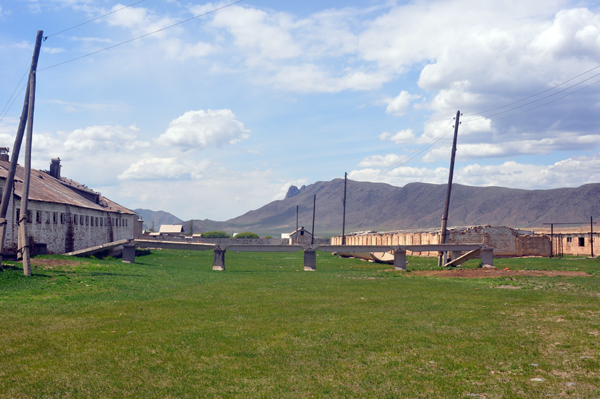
170 327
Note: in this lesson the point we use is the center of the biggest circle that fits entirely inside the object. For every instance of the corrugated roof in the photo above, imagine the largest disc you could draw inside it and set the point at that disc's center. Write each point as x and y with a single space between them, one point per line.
46 188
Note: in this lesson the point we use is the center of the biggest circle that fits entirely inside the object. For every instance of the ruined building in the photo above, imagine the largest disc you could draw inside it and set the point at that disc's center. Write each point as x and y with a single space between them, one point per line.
63 215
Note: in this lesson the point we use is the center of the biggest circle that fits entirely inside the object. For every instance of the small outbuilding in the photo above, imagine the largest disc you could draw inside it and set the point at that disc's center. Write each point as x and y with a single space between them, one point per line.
171 230
300 236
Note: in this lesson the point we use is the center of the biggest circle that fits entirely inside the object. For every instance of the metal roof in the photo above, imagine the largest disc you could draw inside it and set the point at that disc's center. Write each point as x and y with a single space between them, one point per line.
170 228
46 188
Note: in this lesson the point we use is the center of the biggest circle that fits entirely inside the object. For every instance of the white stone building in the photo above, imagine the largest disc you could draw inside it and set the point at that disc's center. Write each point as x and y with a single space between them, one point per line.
64 216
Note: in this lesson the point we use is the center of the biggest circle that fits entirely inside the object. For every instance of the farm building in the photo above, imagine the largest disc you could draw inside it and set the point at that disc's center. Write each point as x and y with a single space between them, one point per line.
171 230
63 215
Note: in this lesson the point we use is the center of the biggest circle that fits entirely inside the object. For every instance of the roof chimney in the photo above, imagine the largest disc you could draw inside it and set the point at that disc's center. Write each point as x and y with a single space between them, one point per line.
4 154
55 168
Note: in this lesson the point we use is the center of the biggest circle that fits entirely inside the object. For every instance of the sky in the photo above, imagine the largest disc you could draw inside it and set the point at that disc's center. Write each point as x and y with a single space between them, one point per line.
219 115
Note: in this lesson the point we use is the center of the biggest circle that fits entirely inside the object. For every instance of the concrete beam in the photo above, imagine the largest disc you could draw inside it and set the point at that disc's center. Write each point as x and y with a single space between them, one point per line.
355 248
441 247
192 246
263 248
459 260
97 248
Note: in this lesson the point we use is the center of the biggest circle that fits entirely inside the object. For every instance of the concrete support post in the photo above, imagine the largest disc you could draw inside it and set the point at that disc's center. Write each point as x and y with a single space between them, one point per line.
310 260
219 260
128 253
400 259
487 256
456 255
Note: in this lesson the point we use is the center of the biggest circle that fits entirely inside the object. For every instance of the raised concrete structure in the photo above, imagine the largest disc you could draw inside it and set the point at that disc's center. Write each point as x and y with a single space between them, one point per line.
310 260
219 259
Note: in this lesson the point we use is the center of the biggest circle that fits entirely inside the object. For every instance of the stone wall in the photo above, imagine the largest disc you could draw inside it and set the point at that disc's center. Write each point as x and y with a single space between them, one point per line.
64 228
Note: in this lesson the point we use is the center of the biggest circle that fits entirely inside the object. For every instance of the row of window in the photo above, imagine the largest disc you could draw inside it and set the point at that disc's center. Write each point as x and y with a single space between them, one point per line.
580 240
83 220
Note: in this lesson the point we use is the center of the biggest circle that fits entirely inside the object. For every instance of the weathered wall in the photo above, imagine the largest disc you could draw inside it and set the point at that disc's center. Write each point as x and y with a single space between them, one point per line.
504 240
64 228
571 244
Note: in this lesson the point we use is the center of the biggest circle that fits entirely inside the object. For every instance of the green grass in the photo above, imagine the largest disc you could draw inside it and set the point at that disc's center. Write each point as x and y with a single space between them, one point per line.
169 327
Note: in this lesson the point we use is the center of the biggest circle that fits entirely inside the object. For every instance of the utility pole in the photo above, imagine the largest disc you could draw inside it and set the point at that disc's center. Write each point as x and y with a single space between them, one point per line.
344 216
312 236
8 188
449 189
296 224
592 235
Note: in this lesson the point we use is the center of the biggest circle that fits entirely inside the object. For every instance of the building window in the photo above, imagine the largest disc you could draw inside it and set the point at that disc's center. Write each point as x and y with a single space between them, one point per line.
28 216
96 222
87 220
112 220
569 239
125 222
101 221
81 220
581 242
38 217
18 214
54 217
62 218
75 219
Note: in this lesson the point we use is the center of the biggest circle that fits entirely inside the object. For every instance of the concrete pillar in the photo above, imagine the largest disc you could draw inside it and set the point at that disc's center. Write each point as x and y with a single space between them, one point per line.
400 259
456 255
128 253
219 260
487 256
310 260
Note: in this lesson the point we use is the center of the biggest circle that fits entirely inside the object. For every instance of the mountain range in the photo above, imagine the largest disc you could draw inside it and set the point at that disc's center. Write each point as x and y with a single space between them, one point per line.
383 207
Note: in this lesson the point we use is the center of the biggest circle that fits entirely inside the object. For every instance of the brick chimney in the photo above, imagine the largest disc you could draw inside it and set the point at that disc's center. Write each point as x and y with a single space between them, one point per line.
55 168
4 154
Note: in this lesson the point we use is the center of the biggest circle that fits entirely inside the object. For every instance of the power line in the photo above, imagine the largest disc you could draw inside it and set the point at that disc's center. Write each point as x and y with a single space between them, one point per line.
2 113
142 36
537 94
93 19
422 150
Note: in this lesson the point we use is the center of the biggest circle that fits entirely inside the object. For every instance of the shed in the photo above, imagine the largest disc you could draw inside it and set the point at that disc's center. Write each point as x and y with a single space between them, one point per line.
171 229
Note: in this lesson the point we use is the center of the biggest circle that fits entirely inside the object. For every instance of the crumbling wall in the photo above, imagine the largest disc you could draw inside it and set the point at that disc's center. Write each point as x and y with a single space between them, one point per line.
537 245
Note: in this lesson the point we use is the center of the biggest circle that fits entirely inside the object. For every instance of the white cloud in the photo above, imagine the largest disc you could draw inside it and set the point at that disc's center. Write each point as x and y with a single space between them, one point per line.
401 137
153 168
378 161
53 50
95 138
200 129
284 189
398 105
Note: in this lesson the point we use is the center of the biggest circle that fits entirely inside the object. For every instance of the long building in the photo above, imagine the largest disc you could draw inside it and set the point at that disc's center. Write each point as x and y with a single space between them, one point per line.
63 215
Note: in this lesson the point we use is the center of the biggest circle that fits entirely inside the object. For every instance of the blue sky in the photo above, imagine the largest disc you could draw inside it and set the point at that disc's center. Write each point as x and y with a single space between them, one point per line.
219 115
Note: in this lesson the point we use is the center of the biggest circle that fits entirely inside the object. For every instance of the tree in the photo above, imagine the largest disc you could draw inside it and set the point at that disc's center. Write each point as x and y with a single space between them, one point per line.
215 234
247 234
191 228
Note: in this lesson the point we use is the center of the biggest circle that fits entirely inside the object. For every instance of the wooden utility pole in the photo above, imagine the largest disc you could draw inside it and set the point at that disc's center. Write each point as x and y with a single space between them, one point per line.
24 237
8 188
592 235
296 224
449 189
312 236
344 216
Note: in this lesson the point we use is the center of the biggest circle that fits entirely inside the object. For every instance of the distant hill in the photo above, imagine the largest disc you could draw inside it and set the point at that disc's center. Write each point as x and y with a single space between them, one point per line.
158 217
382 207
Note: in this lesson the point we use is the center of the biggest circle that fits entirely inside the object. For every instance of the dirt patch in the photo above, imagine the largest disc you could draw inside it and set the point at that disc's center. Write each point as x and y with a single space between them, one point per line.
487 273
49 263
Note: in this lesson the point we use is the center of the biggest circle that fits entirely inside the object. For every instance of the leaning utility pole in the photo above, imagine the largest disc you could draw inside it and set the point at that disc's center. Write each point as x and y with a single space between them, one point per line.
312 236
296 225
344 217
445 216
8 188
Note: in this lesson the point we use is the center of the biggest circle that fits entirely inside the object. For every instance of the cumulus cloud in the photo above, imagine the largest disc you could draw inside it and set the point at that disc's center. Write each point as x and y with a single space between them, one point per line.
381 161
95 138
403 136
154 168
200 129
398 105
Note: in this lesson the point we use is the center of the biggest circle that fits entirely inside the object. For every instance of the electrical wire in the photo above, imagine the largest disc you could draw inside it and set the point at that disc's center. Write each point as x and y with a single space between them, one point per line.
93 19
422 150
2 113
142 36
537 94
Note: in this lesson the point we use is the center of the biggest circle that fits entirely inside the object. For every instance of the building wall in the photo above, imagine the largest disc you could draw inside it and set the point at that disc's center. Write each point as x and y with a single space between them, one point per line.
505 241
60 226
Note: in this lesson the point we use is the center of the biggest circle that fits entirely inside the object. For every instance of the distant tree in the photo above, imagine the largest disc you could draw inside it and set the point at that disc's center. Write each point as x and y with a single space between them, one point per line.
268 237
215 234
191 228
246 234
